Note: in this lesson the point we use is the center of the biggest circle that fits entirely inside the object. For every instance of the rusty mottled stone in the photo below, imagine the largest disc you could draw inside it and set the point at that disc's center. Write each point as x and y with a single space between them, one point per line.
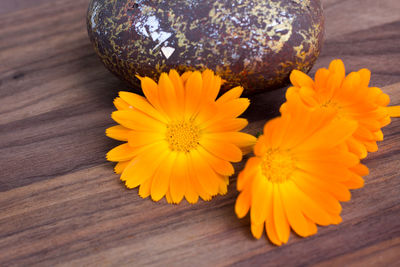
255 43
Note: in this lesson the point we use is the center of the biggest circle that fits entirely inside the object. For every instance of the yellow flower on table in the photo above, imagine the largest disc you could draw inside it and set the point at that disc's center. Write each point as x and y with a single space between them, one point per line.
301 170
353 99
180 139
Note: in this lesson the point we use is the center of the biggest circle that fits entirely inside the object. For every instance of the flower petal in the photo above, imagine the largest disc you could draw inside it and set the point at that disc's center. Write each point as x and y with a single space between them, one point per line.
242 204
161 180
122 152
137 120
257 230
119 168
144 188
261 189
121 104
168 97
118 132
228 125
144 165
280 220
293 212
221 166
230 95
141 103
229 110
251 169
179 88
137 139
193 92
223 150
206 177
239 139
179 178
150 90
300 79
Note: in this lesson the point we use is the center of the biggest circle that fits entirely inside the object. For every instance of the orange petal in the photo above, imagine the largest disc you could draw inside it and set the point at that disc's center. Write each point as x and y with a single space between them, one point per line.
122 152
322 198
150 90
259 201
144 188
251 169
299 79
141 103
242 204
118 132
336 189
354 182
161 180
257 230
119 168
194 181
280 220
310 209
356 147
121 104
193 92
230 95
292 210
360 169
321 78
221 166
137 139
229 125
144 165
137 120
365 77
229 110
223 150
337 132
167 96
205 175
179 87
237 138
210 84
179 178
270 224
394 111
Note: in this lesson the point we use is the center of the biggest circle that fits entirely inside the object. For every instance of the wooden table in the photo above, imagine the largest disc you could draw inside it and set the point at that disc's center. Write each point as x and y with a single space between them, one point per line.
61 203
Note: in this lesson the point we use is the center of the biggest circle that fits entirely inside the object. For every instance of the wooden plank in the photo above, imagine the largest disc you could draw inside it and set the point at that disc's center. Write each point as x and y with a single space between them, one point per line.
61 203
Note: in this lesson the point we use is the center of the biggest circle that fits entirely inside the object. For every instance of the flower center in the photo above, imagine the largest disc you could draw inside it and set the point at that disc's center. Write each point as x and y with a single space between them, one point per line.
334 105
277 166
183 136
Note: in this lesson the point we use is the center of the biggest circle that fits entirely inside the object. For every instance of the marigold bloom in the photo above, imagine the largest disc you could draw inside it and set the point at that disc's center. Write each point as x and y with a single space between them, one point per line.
353 99
301 170
180 140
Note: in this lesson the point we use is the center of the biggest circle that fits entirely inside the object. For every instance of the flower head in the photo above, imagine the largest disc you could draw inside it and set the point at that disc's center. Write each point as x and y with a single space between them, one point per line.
300 172
180 139
351 97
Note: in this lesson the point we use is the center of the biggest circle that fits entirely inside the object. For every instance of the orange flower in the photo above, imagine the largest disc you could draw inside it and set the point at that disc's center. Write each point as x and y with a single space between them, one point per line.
301 170
353 99
180 140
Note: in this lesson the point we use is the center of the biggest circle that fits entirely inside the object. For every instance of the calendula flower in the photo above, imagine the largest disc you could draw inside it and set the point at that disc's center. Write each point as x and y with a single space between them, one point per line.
353 99
180 140
301 171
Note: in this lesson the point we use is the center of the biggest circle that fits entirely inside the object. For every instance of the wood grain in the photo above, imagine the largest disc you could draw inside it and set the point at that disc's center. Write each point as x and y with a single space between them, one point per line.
61 203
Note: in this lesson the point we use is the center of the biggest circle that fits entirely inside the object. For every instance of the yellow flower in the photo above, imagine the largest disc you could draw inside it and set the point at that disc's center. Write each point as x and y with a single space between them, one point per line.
180 140
353 99
301 170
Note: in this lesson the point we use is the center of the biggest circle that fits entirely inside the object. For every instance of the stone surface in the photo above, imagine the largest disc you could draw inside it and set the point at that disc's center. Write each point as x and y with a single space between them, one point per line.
252 43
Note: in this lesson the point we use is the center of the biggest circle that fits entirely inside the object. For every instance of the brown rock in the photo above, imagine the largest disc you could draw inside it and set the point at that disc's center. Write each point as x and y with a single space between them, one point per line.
253 43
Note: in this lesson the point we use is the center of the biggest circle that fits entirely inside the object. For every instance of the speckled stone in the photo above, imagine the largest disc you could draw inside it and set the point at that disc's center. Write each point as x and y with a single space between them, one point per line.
253 43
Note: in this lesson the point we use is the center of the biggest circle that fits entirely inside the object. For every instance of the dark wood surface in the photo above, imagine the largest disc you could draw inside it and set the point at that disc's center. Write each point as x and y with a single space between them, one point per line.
61 203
